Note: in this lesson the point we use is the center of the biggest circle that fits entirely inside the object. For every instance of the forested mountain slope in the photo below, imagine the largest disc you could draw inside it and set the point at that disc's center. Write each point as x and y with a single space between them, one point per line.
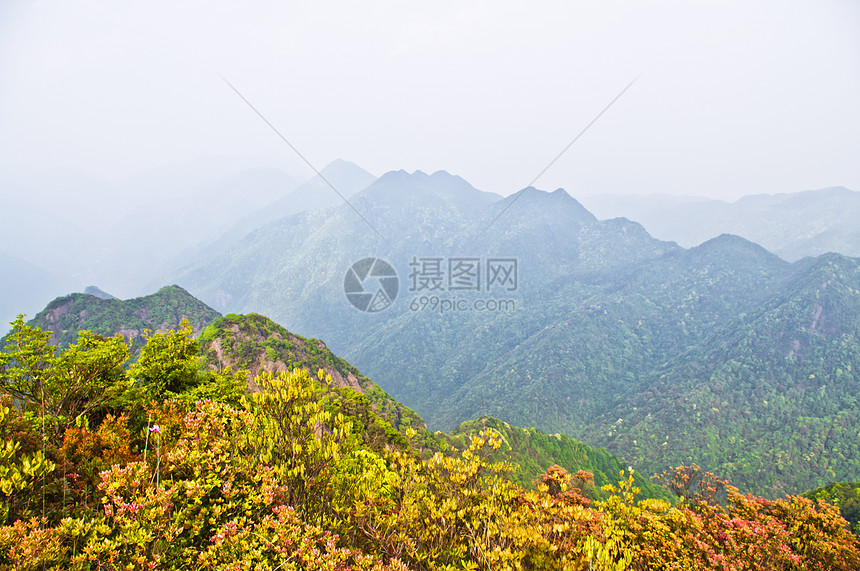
604 336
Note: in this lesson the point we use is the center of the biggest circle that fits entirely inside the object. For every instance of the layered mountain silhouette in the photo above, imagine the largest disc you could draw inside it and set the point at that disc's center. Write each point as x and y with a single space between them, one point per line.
791 225
131 233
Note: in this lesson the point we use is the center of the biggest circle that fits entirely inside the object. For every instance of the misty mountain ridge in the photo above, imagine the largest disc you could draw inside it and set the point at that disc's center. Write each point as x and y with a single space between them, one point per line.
346 178
78 244
95 291
133 230
425 215
27 289
792 225
441 185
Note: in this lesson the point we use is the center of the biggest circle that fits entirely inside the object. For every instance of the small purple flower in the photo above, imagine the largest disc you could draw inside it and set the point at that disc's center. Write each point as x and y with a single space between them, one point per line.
155 428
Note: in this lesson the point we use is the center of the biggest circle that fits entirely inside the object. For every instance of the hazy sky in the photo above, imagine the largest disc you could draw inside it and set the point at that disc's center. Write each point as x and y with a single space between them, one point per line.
733 97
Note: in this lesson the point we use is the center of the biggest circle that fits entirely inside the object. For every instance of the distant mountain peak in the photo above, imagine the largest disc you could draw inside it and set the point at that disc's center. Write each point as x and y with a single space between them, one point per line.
556 199
732 242
342 167
792 225
419 175
402 175
732 251
96 292
418 186
726 240
557 193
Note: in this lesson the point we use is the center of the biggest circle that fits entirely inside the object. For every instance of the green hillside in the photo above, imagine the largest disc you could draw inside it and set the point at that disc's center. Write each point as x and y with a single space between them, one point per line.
768 400
845 496
165 309
256 345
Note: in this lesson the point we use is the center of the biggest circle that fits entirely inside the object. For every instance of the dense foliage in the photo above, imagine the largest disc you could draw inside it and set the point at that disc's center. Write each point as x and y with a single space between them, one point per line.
531 452
845 496
144 473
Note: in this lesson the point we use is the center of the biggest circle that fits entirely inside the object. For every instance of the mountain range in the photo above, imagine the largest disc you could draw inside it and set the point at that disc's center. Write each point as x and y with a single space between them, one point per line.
534 310
659 353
